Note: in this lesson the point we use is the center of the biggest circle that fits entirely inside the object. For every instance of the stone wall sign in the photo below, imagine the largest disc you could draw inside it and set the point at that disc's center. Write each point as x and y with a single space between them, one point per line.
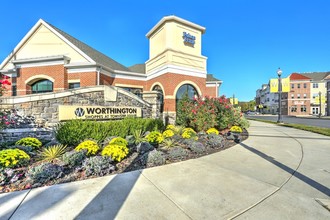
69 112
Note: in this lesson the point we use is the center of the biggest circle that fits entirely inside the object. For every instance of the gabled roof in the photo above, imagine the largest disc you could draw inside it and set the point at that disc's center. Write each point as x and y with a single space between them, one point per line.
210 78
297 76
94 54
138 68
316 76
91 54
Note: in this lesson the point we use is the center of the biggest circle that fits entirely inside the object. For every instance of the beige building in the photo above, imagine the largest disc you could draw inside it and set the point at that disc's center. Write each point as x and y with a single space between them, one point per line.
48 59
317 87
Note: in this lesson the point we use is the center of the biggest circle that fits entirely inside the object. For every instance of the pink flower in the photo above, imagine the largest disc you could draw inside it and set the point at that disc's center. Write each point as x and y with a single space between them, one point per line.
5 82
7 122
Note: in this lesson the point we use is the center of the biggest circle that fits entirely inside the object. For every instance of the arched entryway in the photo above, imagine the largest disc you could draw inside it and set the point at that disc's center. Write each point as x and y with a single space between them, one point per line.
161 98
184 89
42 86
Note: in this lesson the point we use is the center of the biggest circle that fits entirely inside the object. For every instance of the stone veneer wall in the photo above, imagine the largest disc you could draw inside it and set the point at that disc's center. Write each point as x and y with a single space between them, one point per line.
44 107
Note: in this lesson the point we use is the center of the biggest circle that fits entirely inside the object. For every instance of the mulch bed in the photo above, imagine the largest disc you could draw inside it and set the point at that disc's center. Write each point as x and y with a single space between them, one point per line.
131 163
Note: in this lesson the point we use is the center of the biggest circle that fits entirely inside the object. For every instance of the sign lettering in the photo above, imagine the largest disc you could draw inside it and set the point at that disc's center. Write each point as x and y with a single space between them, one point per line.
188 39
96 112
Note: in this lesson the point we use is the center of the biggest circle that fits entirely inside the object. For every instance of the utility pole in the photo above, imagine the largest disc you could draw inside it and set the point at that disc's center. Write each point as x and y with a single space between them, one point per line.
320 99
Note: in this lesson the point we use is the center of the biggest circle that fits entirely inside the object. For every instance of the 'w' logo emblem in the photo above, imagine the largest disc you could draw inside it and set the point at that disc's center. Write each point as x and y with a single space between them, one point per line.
79 112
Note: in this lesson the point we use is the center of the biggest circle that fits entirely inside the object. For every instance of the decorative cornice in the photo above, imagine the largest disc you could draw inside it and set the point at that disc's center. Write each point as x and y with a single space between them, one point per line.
176 19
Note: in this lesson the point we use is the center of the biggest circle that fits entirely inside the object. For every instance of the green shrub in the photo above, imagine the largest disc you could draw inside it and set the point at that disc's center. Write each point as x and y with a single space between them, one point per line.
98 166
44 172
29 141
27 149
7 144
115 151
204 113
119 141
89 145
184 110
138 136
169 143
13 158
214 140
145 124
52 152
74 158
177 153
155 137
197 147
73 132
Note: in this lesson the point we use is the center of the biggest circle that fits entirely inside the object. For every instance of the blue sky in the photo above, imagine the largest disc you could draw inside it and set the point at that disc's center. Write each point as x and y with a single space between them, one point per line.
245 40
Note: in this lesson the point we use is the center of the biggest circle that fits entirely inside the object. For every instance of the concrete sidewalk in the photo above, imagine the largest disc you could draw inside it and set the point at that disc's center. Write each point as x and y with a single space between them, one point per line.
278 173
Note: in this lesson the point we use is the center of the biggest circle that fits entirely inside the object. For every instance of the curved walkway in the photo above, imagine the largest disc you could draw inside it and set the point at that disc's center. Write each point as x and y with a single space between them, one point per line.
278 173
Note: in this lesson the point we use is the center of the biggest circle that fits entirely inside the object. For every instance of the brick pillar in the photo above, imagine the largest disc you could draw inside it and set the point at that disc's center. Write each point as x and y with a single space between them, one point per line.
153 98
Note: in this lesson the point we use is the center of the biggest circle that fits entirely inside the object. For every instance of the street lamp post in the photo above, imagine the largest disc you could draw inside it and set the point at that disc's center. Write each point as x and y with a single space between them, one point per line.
320 104
279 73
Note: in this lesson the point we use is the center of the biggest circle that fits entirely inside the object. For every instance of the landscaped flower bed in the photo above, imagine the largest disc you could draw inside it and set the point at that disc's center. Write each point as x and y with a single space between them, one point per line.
26 164
86 149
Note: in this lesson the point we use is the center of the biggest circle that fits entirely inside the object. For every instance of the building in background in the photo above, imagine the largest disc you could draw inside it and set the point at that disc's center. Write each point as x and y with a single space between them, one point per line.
266 102
303 97
48 60
318 87
297 101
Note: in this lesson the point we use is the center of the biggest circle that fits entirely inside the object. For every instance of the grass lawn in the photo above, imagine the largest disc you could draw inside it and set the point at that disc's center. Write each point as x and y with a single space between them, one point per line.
318 130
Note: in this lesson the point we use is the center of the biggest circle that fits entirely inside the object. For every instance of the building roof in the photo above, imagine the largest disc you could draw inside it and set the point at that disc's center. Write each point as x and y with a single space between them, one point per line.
211 78
316 76
94 54
297 76
138 68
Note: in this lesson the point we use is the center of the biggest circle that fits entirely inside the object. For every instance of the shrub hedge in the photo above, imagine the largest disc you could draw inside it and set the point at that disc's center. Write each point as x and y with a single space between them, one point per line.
75 131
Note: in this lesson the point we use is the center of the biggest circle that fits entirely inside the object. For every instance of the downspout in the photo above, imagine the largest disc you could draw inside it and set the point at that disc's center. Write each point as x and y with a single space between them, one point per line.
216 90
98 75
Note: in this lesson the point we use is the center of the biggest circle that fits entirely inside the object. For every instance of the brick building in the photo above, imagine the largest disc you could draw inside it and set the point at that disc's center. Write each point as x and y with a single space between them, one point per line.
297 101
48 60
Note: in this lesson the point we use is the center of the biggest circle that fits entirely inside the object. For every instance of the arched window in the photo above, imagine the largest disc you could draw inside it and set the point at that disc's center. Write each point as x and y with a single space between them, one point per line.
161 99
186 89
42 86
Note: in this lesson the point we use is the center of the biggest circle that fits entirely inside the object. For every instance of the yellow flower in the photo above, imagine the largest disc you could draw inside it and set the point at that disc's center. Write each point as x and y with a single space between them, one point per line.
117 152
212 131
168 133
89 145
170 127
236 128
189 133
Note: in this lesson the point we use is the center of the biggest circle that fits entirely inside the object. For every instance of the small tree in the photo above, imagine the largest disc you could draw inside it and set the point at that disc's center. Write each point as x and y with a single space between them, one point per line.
3 115
3 82
204 113
183 111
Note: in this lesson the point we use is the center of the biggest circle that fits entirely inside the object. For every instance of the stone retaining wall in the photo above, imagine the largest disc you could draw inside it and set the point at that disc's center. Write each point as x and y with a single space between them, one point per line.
13 135
44 107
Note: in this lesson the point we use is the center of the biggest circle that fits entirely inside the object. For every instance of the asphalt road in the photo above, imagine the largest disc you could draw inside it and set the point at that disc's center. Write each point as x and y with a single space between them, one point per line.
324 123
